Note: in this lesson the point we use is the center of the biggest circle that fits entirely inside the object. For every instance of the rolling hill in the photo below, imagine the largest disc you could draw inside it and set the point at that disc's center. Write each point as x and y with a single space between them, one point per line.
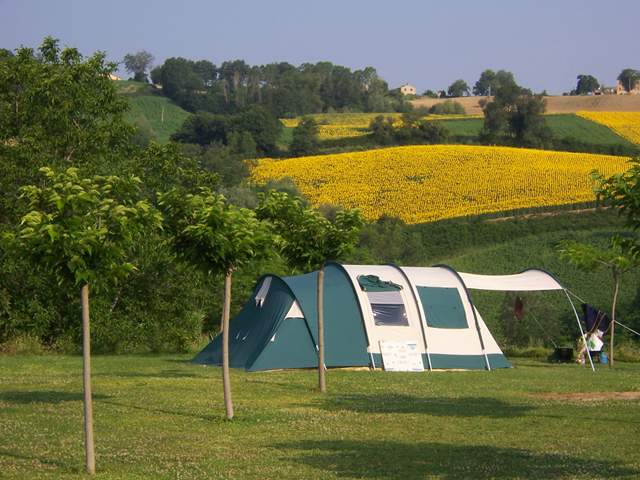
154 114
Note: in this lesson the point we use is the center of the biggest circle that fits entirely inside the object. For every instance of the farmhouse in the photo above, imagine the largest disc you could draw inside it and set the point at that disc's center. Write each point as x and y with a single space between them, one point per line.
408 89
621 90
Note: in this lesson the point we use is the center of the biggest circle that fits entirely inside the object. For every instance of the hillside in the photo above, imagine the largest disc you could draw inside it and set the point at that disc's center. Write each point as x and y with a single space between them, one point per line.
555 104
154 114
432 182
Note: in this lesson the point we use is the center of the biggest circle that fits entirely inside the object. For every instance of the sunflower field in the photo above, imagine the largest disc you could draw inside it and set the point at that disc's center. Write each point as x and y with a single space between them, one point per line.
432 182
625 124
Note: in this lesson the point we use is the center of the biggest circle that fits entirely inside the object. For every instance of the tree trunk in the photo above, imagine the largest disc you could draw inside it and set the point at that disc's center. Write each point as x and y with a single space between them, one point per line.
616 279
86 381
322 382
226 380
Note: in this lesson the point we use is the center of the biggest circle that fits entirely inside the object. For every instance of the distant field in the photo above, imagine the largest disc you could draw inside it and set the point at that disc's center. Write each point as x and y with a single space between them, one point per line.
427 183
352 125
159 417
625 124
555 104
152 112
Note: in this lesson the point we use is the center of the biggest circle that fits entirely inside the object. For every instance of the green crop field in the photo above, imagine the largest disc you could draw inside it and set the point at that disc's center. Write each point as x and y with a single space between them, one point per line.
160 417
572 126
152 112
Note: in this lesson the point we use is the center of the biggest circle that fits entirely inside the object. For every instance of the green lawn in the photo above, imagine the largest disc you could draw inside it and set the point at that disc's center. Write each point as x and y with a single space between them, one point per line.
572 126
160 417
151 111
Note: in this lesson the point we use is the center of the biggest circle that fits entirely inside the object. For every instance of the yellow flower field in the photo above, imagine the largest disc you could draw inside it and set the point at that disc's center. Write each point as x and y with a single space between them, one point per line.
625 124
433 182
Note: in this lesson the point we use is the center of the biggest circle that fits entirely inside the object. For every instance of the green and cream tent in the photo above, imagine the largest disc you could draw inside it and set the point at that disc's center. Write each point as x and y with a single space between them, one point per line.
366 306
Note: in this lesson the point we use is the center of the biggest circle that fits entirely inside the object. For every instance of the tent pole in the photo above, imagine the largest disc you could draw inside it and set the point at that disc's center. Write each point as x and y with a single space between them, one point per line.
584 338
421 315
630 329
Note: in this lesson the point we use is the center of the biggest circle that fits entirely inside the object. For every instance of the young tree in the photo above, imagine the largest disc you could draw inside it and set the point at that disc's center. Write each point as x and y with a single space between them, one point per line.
82 230
628 78
217 238
618 259
309 240
305 138
458 88
586 84
138 63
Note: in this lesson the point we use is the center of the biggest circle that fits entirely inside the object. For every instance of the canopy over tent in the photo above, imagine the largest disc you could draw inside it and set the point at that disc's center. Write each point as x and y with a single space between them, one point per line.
527 281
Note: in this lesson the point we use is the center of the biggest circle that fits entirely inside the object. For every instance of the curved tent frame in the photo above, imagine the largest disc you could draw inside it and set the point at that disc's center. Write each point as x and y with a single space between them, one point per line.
530 280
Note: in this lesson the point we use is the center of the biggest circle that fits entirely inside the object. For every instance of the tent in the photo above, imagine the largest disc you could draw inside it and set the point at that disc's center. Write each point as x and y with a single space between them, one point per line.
365 307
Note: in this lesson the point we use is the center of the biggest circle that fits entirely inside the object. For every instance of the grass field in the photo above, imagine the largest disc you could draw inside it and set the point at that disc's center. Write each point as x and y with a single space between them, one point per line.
426 183
626 124
159 417
555 104
152 112
462 127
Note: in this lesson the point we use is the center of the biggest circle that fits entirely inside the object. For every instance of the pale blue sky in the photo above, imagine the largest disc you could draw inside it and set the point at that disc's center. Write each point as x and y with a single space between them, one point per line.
430 44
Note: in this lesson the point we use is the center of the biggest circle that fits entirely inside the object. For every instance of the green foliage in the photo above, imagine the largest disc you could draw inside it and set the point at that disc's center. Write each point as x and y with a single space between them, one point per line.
138 63
459 88
412 130
515 116
448 107
81 228
622 191
430 94
587 84
281 88
590 258
629 77
211 234
59 105
305 138
205 129
309 239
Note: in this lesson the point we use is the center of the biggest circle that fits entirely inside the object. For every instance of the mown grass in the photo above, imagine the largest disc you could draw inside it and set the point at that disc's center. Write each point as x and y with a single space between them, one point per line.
150 111
160 417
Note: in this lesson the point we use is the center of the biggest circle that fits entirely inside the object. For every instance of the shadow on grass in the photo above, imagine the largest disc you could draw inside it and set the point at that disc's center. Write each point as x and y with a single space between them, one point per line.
445 407
45 396
147 409
44 461
173 373
389 459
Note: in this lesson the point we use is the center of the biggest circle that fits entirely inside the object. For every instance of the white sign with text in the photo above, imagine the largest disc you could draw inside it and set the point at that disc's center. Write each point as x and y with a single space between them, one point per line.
401 356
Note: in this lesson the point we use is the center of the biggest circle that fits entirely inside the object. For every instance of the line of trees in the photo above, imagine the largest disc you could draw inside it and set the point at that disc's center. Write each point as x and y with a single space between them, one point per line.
283 89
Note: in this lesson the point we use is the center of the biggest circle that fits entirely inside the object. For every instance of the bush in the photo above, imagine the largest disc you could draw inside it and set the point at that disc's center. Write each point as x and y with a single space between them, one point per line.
448 107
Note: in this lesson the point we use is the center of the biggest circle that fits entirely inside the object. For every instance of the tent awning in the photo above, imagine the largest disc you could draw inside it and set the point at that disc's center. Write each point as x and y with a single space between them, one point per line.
529 280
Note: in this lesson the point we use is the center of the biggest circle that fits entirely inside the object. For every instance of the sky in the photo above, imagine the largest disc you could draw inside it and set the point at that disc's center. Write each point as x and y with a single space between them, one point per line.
429 44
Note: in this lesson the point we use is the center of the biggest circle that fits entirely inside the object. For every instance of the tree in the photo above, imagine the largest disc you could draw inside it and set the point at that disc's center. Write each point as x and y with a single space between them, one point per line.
628 78
515 116
458 88
622 191
217 238
82 230
309 240
484 83
586 84
60 109
430 94
619 258
138 63
305 138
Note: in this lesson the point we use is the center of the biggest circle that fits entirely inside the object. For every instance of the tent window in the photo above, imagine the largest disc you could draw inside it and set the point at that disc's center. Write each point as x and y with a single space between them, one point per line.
442 307
388 309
